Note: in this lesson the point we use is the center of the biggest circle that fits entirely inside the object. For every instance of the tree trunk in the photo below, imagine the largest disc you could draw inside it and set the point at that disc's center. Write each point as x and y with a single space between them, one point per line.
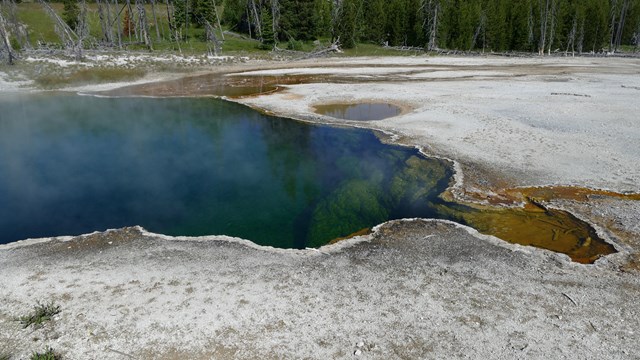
430 10
82 29
275 17
67 36
552 27
613 12
581 38
544 18
335 17
636 37
530 25
14 26
107 35
571 38
6 43
623 18
479 29
215 9
210 34
155 19
433 39
119 27
143 25
256 18
173 31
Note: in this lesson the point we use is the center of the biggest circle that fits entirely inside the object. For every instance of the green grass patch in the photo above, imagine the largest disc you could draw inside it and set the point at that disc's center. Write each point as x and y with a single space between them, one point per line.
629 48
49 354
236 44
88 76
5 357
39 26
40 314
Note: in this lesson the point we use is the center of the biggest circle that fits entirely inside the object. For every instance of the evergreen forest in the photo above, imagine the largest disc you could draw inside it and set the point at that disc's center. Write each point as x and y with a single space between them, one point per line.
535 26
543 26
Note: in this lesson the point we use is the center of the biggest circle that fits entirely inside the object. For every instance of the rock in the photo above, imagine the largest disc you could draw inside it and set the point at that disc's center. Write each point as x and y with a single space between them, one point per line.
357 352
360 344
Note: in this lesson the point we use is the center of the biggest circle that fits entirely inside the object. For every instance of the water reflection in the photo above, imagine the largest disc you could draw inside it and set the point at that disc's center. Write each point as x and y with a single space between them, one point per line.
361 112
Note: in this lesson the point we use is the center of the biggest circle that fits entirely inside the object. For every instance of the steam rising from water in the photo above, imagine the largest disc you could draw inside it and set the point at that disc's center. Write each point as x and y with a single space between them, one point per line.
72 165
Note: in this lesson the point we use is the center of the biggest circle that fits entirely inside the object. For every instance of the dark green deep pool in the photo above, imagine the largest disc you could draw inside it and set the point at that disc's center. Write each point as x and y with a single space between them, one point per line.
71 165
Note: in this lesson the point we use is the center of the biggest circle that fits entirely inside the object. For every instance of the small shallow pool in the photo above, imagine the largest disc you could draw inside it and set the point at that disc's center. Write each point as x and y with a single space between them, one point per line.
359 112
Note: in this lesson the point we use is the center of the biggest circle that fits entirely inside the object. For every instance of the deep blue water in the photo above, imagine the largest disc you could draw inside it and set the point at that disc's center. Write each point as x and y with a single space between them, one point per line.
71 165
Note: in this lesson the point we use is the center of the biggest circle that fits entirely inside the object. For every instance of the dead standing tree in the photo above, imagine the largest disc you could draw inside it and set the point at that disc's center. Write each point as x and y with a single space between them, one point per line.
69 39
255 18
571 38
619 10
105 22
543 6
14 26
155 20
580 44
636 37
335 18
6 50
275 17
430 10
174 32
143 25
552 25
82 29
548 14
480 29
117 21
212 39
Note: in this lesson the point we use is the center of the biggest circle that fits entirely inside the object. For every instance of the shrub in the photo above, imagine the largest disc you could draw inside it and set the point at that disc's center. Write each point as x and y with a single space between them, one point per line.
295 45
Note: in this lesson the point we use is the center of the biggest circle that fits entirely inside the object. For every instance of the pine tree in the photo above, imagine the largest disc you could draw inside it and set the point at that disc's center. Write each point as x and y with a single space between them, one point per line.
323 17
182 13
521 25
596 32
375 19
203 11
298 20
497 17
70 13
234 12
411 37
268 36
347 24
395 23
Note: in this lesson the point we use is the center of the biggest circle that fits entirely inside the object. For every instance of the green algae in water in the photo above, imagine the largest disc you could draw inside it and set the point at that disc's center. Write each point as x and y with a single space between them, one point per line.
71 165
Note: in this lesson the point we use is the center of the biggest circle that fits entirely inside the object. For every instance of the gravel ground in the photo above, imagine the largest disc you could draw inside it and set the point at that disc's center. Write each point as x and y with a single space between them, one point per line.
414 289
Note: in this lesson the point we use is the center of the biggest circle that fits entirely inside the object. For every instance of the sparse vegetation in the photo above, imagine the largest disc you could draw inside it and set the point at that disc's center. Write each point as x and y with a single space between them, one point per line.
49 354
40 314
5 357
